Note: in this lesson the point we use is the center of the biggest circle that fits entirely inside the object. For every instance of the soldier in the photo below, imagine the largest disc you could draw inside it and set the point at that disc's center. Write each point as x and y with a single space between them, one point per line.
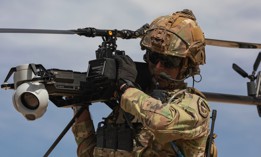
169 119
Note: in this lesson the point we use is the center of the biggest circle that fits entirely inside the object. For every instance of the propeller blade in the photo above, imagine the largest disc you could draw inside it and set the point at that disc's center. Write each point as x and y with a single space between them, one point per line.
232 44
239 70
257 62
36 31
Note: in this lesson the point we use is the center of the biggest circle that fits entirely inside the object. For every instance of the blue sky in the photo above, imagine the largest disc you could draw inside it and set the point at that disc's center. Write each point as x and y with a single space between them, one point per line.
238 126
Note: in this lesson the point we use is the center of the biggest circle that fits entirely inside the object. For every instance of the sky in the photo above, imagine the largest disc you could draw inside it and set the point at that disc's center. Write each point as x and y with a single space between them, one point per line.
238 126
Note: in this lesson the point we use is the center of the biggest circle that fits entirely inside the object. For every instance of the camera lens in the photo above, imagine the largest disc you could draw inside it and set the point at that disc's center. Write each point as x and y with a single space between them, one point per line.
30 101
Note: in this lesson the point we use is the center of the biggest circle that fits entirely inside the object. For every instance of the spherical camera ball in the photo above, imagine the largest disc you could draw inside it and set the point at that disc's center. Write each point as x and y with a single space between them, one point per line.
31 99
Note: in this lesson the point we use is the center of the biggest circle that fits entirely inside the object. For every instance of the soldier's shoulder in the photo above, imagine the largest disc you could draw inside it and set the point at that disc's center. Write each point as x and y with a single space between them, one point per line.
195 91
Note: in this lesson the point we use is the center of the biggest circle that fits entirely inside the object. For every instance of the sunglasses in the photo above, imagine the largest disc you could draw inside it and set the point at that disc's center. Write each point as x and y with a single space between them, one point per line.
166 61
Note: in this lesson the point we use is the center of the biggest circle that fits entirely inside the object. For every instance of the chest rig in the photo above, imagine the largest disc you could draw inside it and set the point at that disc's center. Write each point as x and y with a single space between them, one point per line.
116 134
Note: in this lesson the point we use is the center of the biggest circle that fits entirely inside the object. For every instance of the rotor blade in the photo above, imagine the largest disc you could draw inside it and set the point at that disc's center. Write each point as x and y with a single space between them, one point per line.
88 32
212 42
234 99
36 31
232 44
257 62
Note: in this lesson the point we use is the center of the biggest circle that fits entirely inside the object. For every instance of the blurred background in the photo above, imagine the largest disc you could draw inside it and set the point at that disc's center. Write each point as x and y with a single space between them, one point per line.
238 126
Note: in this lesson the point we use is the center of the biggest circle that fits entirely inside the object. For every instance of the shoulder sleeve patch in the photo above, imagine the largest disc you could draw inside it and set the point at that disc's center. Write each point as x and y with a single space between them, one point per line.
203 108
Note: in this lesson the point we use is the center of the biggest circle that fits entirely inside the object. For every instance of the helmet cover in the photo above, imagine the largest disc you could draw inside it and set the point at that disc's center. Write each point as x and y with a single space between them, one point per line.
177 35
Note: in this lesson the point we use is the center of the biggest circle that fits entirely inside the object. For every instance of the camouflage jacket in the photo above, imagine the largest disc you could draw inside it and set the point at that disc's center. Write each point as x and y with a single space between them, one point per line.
181 119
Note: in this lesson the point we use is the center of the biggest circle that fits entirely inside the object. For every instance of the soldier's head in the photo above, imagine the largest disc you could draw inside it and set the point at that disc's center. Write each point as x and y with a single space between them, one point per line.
175 45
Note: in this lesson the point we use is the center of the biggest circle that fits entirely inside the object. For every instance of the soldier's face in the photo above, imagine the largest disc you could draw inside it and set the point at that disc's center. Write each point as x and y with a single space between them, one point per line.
162 65
158 69
159 63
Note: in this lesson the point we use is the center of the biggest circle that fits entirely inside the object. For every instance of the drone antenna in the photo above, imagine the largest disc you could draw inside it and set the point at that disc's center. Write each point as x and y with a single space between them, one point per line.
253 88
257 62
239 70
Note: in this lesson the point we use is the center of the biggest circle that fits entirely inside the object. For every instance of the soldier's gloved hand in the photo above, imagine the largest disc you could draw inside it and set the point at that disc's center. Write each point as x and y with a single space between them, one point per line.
126 72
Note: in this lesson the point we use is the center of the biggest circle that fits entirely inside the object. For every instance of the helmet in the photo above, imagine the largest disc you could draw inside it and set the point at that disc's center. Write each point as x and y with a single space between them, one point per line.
177 35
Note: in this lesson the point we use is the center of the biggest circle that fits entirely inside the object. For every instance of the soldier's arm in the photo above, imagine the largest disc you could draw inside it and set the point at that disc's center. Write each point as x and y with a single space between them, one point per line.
84 133
169 122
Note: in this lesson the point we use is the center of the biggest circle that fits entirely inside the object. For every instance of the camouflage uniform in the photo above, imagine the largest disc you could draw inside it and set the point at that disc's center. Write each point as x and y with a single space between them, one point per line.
182 119
179 121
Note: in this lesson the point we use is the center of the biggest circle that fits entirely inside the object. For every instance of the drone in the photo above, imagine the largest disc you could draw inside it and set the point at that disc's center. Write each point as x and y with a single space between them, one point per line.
34 85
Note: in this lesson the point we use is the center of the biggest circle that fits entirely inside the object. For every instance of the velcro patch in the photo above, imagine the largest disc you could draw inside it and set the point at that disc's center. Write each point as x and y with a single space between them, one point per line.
203 108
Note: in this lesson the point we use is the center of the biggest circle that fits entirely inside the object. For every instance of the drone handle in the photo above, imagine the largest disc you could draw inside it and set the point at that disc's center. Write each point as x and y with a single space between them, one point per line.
64 131
12 70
